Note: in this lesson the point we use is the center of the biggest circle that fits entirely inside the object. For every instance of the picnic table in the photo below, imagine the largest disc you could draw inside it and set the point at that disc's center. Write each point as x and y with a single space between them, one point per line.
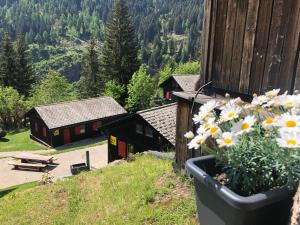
33 166
34 158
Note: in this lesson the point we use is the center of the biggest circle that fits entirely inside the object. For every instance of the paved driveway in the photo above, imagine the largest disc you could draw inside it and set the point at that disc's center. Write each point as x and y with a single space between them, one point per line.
10 177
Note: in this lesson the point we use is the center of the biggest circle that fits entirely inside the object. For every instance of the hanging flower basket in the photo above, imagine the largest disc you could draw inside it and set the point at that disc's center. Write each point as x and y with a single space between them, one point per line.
255 167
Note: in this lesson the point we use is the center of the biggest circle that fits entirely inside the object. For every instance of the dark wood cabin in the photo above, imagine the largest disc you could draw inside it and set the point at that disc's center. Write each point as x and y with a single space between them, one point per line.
248 46
152 129
63 123
177 83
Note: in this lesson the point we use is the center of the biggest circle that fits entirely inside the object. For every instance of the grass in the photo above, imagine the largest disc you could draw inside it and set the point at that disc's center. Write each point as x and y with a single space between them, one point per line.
19 141
145 191
12 190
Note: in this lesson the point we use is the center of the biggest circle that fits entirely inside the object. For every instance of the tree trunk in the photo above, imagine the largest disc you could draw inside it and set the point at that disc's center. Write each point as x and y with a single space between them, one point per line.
295 220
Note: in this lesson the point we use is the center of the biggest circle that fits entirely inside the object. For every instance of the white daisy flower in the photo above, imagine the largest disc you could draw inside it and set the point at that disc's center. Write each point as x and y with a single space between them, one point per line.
260 100
289 121
189 135
230 113
202 115
273 93
206 125
214 130
288 101
289 139
245 125
269 122
228 139
197 141
209 106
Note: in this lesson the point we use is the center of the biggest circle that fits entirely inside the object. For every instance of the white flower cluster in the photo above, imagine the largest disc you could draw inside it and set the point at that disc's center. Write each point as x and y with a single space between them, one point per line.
269 112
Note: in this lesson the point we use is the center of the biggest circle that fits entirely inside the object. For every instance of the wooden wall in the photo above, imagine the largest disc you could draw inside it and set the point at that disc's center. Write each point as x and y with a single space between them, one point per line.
250 46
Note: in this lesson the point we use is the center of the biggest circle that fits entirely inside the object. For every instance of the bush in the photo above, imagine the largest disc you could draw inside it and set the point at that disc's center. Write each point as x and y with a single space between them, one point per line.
2 133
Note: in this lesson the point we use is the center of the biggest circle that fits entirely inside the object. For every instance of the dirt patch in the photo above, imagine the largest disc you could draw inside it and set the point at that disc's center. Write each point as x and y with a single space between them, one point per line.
175 188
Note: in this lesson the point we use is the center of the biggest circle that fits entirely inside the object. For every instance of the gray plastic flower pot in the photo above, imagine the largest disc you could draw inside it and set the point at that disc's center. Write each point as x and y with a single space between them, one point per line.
217 205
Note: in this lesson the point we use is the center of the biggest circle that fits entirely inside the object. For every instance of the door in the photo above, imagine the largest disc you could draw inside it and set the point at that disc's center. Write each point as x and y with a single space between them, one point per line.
67 135
122 146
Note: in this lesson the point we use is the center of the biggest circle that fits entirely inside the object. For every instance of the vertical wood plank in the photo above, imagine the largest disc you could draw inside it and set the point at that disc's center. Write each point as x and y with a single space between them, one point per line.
297 78
205 41
261 45
290 49
212 38
228 42
219 42
276 38
251 23
237 51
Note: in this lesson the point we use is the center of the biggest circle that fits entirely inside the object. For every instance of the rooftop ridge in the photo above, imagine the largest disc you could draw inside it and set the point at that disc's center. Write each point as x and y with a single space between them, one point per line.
72 101
156 108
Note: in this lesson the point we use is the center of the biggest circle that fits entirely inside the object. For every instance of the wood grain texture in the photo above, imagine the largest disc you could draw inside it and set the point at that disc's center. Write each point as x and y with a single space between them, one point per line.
249 40
261 45
237 50
219 42
228 43
205 42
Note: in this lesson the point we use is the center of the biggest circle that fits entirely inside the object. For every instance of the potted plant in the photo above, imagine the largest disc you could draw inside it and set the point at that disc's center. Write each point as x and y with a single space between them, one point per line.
253 170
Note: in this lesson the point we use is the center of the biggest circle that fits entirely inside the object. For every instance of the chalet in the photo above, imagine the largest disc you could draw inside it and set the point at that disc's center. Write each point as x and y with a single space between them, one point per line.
248 47
178 83
149 129
63 123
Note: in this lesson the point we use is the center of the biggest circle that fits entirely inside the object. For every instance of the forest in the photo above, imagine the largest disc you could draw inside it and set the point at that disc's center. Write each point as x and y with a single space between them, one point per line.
123 54
58 31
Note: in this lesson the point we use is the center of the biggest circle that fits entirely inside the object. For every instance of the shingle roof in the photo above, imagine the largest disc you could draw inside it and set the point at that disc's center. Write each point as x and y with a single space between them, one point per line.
186 82
69 113
163 119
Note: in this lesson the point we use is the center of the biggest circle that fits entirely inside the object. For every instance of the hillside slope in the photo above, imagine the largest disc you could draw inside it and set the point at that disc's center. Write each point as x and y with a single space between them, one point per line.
145 191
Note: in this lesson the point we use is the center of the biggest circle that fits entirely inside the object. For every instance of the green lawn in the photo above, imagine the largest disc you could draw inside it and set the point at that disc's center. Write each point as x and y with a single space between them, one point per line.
145 191
19 141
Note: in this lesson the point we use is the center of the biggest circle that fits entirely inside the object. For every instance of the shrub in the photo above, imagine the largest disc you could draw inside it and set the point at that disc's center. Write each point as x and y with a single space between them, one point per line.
2 133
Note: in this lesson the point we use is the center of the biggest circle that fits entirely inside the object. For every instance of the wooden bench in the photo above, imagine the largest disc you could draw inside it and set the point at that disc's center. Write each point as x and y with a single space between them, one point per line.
34 158
32 166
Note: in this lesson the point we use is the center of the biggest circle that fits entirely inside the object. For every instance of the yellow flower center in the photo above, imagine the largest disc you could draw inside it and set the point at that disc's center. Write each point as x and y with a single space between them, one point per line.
213 130
269 120
245 126
291 142
291 123
199 141
231 115
227 141
289 104
206 126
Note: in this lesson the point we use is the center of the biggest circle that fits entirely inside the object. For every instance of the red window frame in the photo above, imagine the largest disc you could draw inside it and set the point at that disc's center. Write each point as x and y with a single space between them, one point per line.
77 130
44 132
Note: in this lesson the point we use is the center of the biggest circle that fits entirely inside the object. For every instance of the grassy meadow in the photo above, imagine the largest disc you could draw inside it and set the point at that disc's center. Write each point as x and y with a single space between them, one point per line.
19 141
145 191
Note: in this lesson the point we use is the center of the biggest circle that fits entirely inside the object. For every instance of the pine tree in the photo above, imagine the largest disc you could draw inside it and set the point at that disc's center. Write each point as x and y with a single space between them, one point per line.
24 73
90 83
7 63
120 48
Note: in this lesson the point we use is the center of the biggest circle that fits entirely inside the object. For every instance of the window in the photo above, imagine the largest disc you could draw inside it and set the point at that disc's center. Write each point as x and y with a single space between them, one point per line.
36 127
168 95
96 125
149 132
139 128
44 132
80 130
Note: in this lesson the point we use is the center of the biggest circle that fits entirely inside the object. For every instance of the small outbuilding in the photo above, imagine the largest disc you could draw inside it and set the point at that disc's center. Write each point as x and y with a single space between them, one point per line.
152 129
177 83
58 124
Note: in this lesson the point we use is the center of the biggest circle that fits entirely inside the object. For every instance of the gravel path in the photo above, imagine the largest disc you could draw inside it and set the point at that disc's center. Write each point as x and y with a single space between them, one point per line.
10 177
